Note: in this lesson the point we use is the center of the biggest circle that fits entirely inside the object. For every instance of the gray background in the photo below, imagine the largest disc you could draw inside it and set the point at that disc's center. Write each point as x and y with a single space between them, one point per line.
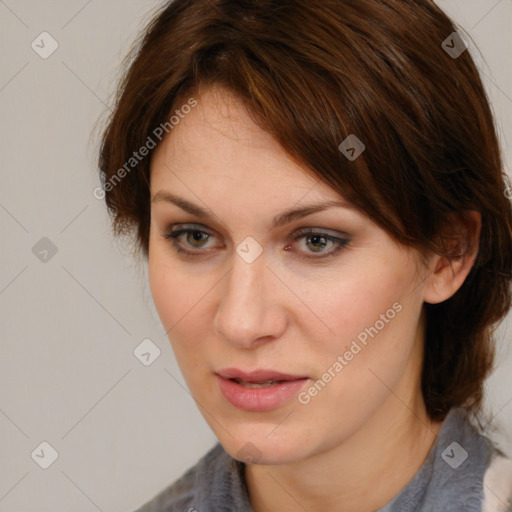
70 322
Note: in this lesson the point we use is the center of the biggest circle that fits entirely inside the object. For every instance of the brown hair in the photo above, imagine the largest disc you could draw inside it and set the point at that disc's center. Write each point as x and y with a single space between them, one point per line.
311 73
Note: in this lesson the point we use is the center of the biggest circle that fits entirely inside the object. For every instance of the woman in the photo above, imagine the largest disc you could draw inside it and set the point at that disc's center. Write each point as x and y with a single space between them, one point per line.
317 187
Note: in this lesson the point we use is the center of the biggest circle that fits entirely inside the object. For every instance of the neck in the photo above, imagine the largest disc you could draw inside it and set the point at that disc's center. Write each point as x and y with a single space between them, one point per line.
360 475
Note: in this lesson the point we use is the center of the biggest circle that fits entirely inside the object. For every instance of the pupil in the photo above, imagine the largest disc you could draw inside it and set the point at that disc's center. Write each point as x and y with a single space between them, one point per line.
316 239
197 236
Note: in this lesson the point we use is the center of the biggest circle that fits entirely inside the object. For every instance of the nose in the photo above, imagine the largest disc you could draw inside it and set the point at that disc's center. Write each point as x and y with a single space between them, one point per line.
250 309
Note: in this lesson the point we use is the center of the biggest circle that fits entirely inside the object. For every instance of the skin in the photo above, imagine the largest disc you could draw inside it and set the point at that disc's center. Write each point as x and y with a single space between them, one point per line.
359 441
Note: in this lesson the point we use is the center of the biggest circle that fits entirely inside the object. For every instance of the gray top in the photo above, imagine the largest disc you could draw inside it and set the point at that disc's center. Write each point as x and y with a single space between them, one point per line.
450 479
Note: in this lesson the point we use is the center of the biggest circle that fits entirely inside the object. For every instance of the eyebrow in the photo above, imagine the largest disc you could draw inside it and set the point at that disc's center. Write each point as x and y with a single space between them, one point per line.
279 220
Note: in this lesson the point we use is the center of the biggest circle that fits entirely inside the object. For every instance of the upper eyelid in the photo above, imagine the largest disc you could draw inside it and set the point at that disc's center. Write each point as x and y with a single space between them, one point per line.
185 226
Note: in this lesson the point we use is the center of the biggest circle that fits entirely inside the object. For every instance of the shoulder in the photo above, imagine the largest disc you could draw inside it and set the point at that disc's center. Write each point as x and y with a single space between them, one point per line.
215 481
469 469
498 485
464 472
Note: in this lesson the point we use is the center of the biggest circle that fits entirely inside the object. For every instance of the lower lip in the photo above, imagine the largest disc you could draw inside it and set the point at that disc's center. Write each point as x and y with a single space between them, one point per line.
259 399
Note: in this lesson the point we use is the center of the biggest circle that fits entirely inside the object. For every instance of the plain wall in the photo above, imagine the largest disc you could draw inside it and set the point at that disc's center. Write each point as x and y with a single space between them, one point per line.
71 320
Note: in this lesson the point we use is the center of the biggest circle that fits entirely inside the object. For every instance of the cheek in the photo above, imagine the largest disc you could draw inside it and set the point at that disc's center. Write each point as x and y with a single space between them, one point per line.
353 301
164 286
180 301
372 313
375 320
174 292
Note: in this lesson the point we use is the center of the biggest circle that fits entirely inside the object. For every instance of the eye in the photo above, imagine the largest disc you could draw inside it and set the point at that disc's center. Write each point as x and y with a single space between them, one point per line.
317 241
194 238
190 241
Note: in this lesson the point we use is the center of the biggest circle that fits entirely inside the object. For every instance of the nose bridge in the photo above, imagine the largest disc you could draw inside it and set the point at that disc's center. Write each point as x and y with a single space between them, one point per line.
244 312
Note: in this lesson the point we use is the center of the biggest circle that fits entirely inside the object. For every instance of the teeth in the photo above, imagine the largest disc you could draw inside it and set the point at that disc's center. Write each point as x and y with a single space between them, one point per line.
263 384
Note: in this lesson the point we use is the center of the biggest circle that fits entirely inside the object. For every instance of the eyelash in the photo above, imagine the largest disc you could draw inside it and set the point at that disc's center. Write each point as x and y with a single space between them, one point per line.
174 235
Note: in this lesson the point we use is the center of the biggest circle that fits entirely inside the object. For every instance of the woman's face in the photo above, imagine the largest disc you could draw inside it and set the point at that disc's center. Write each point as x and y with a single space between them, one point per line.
324 306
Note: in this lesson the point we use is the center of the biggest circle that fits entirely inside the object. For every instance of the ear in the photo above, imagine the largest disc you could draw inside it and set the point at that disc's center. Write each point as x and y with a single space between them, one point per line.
460 240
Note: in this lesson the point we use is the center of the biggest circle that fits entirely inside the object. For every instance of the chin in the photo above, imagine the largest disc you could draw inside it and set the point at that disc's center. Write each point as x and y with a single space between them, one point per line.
260 448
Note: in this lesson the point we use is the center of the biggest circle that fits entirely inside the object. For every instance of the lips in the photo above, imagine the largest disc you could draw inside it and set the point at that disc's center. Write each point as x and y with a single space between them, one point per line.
259 390
256 385
257 375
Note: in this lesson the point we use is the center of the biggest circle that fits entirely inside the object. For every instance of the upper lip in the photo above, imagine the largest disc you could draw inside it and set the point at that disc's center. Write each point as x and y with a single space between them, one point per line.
259 375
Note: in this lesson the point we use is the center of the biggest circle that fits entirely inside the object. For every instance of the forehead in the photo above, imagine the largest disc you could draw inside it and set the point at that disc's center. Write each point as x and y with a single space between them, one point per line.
219 140
219 160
